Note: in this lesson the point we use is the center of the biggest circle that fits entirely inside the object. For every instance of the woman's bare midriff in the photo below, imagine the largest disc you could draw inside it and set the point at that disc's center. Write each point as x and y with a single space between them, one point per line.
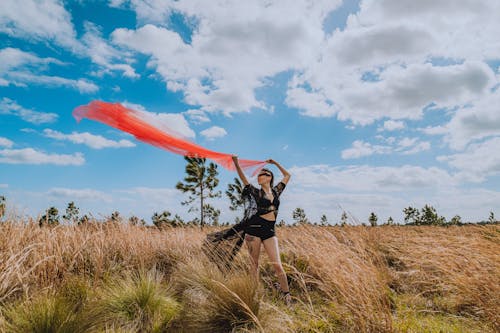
268 217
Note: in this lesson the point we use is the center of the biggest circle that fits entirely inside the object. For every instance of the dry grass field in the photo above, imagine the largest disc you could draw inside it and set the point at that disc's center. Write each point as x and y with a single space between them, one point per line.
109 277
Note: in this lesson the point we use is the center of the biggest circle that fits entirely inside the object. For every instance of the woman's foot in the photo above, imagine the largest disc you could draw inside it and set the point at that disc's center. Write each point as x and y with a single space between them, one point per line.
287 298
284 295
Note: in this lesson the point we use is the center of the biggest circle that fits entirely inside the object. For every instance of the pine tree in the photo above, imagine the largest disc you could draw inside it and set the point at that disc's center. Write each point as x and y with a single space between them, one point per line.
491 218
390 221
234 193
429 216
161 220
343 219
178 221
51 217
83 220
456 220
71 212
115 217
323 220
210 214
412 215
2 206
133 220
200 183
299 215
373 219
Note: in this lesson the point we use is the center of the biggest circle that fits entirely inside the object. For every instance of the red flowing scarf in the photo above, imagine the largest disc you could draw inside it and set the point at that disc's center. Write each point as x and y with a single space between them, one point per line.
137 124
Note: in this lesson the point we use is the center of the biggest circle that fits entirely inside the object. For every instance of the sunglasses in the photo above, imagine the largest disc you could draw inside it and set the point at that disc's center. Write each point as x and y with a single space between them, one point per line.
265 174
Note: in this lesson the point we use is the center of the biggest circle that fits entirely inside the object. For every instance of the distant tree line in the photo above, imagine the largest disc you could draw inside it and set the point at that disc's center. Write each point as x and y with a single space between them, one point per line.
412 216
200 184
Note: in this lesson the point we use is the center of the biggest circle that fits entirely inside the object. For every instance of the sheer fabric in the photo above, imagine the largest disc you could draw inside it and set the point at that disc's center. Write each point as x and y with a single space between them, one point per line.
141 126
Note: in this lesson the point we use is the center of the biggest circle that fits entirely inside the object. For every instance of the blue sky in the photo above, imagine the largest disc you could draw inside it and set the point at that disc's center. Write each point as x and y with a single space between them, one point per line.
371 105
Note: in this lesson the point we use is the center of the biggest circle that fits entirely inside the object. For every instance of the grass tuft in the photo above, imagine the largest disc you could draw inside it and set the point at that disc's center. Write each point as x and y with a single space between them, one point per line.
138 302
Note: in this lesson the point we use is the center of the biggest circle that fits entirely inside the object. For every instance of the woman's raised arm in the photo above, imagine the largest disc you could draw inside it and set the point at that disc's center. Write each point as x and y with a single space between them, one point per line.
286 174
240 172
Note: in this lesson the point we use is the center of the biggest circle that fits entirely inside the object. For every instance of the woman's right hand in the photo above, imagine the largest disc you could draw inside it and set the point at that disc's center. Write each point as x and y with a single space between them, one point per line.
235 158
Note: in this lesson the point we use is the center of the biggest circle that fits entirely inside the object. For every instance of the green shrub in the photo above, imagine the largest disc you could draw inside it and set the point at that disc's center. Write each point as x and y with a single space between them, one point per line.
43 314
138 302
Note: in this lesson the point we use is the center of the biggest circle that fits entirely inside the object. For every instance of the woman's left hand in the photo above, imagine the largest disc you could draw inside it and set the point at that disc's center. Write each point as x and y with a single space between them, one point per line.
271 161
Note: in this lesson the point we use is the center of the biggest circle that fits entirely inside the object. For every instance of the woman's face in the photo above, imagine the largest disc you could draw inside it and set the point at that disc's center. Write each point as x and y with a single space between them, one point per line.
264 177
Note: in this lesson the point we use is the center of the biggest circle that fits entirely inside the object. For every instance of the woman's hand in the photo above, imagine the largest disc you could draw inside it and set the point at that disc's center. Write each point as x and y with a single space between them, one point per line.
238 169
271 161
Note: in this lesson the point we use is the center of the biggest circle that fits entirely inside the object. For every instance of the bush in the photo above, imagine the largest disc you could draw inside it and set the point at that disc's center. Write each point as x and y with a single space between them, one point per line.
139 303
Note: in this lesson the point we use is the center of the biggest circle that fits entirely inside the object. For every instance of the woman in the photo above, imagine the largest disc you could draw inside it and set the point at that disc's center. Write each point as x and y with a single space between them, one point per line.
261 219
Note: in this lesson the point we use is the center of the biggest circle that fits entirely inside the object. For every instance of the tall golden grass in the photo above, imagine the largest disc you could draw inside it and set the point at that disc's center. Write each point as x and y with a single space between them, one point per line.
343 279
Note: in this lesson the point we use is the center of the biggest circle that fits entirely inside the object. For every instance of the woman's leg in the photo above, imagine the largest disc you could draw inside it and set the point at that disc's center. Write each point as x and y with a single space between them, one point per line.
272 250
253 244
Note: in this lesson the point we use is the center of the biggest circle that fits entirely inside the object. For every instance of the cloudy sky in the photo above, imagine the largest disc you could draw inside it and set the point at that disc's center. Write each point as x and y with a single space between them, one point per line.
372 105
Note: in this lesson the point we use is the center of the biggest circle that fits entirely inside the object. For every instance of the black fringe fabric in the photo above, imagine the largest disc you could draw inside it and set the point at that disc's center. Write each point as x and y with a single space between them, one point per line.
222 246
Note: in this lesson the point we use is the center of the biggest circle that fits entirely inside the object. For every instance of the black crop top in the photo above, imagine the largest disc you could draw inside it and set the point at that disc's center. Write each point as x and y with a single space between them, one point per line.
264 205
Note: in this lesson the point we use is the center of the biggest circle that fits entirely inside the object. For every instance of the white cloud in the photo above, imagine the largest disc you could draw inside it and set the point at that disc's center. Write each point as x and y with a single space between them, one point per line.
270 38
134 106
402 92
90 140
478 121
323 189
311 103
4 185
392 125
358 205
10 107
12 58
171 123
434 130
82 85
39 20
417 148
4 142
48 21
406 146
138 201
214 132
379 44
144 201
102 53
265 38
398 51
407 142
21 68
360 149
478 161
368 178
197 116
33 156
470 28
79 194
474 122
471 204
154 194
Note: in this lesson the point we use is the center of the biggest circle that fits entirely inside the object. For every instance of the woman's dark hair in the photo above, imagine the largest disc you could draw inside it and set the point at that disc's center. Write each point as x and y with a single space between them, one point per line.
272 176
